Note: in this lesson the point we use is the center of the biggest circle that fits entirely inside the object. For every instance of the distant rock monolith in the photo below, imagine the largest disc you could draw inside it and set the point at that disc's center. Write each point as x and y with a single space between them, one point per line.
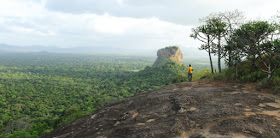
168 54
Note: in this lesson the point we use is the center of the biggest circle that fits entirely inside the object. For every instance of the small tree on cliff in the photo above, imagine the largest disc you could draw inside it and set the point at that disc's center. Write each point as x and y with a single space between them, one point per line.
204 33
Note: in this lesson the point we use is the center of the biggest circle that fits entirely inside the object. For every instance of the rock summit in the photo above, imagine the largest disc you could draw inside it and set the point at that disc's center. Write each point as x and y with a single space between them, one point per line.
168 54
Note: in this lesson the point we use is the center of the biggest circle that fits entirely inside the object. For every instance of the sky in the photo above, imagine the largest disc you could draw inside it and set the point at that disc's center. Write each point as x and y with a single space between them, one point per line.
125 24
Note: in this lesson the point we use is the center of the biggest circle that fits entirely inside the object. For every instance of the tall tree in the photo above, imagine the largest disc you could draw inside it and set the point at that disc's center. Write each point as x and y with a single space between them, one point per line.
204 33
218 30
251 36
233 19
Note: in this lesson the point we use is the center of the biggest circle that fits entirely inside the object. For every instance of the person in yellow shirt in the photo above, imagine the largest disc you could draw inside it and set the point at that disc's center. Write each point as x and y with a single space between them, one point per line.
190 73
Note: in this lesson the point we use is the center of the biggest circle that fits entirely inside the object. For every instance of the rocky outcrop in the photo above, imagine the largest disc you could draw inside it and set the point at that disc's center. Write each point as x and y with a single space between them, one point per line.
195 110
168 54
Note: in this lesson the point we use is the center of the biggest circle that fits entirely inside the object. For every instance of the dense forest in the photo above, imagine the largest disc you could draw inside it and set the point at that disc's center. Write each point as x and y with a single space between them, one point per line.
250 48
41 91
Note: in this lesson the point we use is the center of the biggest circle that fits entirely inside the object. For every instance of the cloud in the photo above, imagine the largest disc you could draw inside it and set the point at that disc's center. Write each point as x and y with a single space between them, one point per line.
86 29
130 24
164 10
184 12
21 8
31 31
108 24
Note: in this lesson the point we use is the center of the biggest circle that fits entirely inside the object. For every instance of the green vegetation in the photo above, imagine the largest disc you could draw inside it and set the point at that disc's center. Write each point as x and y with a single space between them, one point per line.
39 92
247 74
176 47
201 74
251 50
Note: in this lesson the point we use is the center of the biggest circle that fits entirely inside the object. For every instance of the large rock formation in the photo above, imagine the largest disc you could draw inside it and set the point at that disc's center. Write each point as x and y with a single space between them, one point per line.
168 54
195 110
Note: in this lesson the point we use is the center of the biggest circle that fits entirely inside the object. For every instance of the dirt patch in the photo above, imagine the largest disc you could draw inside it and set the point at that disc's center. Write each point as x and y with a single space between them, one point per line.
235 92
197 110
135 114
151 120
275 105
275 114
141 124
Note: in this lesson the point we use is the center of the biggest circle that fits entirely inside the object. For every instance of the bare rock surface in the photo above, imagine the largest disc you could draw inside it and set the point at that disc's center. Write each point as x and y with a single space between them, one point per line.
196 110
168 54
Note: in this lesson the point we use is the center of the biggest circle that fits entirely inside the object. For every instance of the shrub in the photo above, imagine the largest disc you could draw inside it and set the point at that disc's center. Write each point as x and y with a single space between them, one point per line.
225 75
180 78
201 74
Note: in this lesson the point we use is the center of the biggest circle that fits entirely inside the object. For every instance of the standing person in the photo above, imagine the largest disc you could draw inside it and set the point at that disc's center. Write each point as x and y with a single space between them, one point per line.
190 72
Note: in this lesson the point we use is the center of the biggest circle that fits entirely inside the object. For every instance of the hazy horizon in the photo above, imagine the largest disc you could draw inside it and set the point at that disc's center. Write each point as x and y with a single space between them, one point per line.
116 25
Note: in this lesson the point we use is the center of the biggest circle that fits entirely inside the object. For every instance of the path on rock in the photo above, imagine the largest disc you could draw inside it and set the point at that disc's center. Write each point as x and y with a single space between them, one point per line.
196 109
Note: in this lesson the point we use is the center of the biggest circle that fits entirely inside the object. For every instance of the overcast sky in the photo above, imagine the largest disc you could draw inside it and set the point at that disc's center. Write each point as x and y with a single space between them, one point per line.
129 24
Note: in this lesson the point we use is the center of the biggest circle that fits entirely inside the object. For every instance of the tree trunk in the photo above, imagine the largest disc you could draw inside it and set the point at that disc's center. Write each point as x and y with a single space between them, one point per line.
269 72
219 54
209 53
236 71
212 71
229 59
254 62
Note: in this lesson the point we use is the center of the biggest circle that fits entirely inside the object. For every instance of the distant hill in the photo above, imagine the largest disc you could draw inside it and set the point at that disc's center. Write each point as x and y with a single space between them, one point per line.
189 52
53 49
